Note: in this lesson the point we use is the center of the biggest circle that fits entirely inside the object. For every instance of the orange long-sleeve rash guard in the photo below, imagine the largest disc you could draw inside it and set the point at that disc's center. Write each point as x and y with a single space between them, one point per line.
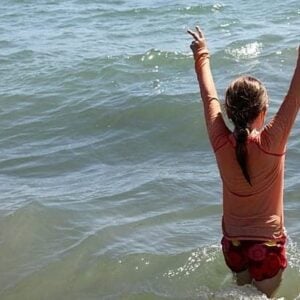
250 211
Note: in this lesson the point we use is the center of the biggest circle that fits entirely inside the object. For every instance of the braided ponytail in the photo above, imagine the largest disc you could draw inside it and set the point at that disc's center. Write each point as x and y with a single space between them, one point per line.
245 98
241 150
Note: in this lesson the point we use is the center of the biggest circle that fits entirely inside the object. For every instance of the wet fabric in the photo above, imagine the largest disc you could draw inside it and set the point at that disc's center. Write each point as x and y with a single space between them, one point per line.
263 260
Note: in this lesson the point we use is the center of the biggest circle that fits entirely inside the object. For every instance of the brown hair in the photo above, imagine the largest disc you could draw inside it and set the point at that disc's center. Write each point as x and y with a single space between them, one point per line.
245 98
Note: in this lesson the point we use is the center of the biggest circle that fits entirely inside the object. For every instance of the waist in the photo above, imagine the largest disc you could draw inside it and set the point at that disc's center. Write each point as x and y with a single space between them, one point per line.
269 243
263 229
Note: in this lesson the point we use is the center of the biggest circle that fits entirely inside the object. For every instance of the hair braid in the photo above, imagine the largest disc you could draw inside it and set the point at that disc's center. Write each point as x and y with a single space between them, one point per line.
245 98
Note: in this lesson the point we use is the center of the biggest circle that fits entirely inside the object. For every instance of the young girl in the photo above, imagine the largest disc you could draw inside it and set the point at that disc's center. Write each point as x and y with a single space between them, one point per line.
251 164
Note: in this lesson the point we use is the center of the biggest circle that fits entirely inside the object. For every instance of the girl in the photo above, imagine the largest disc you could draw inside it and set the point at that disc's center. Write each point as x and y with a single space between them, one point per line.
251 164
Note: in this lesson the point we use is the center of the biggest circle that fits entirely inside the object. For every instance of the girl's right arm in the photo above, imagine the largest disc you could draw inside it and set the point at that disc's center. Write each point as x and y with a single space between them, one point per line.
294 90
279 128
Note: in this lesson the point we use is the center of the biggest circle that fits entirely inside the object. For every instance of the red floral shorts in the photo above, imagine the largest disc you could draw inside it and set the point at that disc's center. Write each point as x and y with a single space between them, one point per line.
262 259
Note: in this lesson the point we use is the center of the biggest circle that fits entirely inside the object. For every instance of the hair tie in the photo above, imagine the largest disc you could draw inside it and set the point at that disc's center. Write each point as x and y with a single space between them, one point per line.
242 134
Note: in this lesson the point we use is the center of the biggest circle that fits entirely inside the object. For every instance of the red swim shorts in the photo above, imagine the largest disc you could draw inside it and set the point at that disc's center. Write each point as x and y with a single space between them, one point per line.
262 259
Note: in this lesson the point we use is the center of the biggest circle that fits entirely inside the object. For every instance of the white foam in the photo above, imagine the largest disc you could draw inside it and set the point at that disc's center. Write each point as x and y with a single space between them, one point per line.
250 50
195 261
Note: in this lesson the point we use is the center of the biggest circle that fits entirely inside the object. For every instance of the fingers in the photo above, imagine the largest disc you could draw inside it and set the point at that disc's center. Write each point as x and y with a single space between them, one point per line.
199 42
193 34
196 35
200 32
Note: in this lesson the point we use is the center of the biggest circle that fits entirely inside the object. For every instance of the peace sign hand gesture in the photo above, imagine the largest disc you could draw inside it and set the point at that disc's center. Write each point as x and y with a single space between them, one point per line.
198 45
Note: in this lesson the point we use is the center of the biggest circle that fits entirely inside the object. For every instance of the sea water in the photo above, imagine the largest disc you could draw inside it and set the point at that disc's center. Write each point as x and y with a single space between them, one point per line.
109 188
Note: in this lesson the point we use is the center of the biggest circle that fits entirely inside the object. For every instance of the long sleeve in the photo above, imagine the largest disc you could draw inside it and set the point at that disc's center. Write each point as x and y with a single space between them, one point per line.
212 109
281 124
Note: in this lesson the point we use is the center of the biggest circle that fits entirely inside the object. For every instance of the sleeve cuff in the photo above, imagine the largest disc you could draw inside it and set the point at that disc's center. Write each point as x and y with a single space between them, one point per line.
203 52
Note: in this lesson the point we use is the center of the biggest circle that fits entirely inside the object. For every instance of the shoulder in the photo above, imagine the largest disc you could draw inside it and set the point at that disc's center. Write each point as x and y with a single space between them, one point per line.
269 143
223 139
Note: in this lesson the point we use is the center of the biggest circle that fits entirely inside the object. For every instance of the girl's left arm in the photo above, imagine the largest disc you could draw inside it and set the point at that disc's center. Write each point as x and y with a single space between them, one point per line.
212 108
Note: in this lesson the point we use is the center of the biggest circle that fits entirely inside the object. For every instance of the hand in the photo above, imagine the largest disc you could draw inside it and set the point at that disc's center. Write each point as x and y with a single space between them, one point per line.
198 46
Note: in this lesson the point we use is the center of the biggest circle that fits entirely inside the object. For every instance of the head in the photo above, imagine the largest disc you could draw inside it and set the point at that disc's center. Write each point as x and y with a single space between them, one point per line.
246 100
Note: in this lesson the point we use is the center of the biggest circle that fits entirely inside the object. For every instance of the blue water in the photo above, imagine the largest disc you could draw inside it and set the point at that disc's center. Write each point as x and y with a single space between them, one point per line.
109 188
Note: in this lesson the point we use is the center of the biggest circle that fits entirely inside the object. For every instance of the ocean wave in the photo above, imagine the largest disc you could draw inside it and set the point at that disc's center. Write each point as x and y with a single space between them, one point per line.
248 50
164 10
162 58
150 57
146 73
20 54
5 43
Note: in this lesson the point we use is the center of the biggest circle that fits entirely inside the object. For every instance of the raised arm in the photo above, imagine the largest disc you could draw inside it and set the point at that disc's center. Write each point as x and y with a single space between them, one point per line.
294 90
283 121
212 108
202 65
